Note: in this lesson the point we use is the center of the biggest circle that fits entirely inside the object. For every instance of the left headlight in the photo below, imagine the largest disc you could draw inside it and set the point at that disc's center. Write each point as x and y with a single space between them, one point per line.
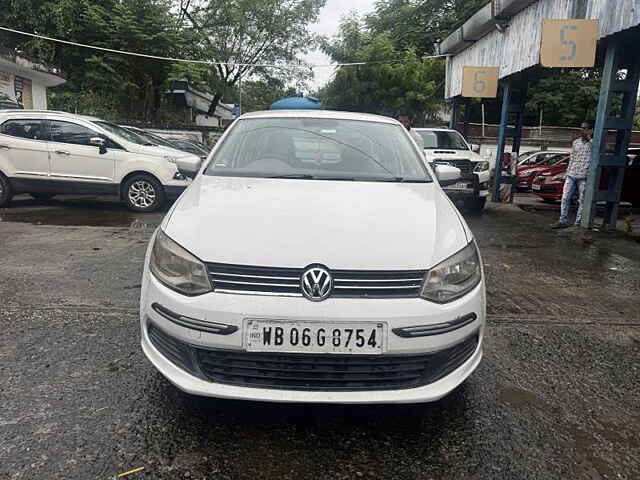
481 166
454 277
176 268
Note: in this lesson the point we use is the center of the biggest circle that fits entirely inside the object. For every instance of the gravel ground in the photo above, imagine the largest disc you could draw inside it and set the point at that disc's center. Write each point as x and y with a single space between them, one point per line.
556 396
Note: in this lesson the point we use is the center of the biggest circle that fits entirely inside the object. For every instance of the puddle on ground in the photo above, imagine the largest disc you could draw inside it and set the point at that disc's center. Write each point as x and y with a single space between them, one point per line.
70 217
84 213
80 211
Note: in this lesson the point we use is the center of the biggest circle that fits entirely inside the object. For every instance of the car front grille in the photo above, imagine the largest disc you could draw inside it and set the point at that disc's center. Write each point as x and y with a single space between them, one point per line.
286 281
465 166
311 371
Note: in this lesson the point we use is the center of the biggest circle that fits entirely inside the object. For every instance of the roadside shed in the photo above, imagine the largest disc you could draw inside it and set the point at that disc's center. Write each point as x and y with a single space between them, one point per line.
507 34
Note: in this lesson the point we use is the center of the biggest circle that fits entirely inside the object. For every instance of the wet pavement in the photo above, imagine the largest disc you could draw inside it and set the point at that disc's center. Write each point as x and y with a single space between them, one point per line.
556 396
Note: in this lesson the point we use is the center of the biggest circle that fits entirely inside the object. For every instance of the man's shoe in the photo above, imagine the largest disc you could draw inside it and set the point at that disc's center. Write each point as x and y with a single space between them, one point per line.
559 225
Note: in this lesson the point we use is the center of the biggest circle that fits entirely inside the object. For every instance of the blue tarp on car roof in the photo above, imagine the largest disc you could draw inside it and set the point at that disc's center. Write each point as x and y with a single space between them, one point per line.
297 103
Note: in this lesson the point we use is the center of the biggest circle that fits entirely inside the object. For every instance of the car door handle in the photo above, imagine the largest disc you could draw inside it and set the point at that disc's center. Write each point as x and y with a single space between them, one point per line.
5 146
62 152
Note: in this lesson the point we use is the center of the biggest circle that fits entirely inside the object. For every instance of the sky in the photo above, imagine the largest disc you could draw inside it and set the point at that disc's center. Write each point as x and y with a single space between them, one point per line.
328 25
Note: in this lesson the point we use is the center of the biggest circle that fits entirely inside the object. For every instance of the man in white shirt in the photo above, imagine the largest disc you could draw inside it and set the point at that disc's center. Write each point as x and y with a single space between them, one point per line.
576 177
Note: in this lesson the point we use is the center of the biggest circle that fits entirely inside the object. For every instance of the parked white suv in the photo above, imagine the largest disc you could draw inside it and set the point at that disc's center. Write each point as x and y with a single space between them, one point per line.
447 147
314 259
46 153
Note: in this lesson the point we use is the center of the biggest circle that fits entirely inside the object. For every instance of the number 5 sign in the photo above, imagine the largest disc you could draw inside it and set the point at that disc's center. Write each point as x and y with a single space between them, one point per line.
569 43
480 82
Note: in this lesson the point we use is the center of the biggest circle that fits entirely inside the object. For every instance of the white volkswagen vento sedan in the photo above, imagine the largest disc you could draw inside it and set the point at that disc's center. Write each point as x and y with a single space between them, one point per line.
314 259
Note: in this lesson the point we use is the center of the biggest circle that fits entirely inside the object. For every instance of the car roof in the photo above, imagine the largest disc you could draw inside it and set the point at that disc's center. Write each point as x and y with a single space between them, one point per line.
328 114
434 129
29 113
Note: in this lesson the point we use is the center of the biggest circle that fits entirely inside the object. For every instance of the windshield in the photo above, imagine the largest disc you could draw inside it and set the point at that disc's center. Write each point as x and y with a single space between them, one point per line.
155 139
541 159
322 149
189 147
442 139
122 132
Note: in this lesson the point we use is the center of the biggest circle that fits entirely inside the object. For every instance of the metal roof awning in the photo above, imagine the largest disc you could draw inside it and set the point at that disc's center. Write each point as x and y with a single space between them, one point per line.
506 33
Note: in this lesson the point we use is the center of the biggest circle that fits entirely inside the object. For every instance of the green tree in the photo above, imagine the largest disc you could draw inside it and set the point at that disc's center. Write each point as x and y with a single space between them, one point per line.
407 83
241 33
566 97
420 24
111 85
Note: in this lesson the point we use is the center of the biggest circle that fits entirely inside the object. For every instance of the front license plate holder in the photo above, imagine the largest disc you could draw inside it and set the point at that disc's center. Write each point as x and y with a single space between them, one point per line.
457 186
287 336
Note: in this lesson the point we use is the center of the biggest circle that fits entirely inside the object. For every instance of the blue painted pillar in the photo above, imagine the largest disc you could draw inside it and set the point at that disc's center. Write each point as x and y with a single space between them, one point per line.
502 137
620 78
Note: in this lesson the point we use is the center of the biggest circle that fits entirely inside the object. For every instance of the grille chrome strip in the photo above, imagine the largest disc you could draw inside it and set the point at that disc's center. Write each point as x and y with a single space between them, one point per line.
257 292
285 281
236 282
368 287
220 274
406 280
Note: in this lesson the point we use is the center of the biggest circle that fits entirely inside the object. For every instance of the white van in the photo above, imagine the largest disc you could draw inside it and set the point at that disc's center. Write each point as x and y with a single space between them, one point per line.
46 153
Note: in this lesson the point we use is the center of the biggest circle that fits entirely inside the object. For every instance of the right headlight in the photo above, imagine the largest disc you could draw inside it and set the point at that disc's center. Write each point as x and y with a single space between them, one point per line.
176 268
454 277
482 166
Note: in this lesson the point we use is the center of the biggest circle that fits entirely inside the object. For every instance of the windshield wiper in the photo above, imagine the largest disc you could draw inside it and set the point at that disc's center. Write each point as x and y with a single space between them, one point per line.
405 180
300 176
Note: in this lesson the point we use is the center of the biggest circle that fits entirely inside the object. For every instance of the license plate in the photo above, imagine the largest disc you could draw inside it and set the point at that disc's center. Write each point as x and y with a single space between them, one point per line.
314 337
536 187
457 186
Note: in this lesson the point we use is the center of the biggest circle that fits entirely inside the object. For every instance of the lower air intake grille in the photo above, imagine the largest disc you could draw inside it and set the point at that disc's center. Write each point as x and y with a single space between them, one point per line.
314 372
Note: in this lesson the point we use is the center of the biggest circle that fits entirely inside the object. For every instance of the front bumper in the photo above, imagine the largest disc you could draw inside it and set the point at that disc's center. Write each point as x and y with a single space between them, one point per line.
471 185
233 310
548 192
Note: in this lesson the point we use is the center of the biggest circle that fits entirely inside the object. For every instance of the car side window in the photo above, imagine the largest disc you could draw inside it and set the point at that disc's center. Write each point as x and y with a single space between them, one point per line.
67 132
32 129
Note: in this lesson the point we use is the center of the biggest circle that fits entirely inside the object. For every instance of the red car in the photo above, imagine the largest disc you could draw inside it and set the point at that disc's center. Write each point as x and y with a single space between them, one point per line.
527 171
549 183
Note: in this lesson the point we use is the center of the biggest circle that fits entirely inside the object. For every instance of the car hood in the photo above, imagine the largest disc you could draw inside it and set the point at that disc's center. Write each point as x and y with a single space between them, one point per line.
295 223
186 162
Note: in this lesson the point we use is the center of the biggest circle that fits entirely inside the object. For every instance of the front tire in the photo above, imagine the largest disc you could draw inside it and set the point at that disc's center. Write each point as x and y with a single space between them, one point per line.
143 193
6 192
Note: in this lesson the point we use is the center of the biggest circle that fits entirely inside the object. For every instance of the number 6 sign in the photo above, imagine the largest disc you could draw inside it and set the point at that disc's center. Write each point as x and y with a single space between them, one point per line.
569 43
480 82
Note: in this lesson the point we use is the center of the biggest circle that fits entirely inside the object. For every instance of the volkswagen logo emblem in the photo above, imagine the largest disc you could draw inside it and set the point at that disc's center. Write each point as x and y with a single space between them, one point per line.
316 283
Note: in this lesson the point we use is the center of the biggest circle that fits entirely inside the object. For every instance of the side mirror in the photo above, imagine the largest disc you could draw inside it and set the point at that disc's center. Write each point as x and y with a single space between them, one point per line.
475 147
101 143
448 175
